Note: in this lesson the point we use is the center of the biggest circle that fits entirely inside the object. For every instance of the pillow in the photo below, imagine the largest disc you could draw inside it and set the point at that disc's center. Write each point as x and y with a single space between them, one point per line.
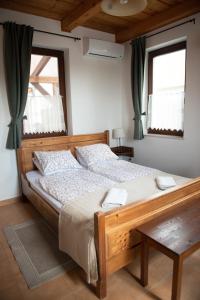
37 164
88 155
49 162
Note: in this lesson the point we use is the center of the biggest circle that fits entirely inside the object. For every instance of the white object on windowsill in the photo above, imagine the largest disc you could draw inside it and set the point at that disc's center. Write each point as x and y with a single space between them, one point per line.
165 182
115 198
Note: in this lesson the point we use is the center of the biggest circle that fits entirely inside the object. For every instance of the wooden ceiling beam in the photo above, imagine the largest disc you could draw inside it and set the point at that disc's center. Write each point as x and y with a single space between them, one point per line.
83 12
40 89
43 79
175 13
40 66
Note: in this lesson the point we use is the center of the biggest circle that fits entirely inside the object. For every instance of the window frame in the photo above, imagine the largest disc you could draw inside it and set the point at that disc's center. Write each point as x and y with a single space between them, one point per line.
164 50
59 54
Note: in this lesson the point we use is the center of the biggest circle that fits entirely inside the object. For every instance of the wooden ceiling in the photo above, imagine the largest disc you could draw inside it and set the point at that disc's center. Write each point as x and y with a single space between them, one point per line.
73 13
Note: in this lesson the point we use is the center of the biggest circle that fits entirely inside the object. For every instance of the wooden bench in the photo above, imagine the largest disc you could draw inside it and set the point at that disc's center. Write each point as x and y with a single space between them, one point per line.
177 235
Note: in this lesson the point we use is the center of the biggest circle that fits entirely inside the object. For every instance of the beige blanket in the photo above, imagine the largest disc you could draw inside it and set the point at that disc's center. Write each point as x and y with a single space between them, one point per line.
76 227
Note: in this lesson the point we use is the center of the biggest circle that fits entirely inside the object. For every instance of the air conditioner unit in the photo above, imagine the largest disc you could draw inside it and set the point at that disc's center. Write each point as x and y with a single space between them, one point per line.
93 47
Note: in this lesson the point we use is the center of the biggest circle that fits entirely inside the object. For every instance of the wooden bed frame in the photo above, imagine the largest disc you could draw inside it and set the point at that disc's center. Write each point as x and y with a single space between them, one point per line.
115 234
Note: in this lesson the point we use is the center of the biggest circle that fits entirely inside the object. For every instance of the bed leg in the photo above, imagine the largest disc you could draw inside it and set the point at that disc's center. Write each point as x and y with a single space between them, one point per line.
24 198
101 288
100 242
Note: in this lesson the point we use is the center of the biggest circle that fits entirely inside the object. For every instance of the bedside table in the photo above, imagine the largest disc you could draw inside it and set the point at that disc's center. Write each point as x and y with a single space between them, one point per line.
123 151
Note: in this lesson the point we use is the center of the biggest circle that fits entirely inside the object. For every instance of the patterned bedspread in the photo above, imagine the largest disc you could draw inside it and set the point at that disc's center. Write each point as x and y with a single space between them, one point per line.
68 185
121 170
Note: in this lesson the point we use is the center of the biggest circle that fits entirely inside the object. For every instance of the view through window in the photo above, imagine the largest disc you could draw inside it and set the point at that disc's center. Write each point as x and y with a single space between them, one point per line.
45 112
166 90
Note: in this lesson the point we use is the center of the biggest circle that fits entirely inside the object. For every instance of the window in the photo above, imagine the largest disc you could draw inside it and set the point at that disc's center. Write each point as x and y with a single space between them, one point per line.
166 87
45 111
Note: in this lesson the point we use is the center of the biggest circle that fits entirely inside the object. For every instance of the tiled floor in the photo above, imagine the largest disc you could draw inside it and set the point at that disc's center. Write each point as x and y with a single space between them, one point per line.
121 285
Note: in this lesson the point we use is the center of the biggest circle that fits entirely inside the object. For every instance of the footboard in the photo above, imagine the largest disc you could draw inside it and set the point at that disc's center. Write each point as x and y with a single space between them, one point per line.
115 233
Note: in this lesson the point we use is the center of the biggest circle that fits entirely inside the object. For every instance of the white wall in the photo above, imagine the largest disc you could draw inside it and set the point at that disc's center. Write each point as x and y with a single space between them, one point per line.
178 156
93 89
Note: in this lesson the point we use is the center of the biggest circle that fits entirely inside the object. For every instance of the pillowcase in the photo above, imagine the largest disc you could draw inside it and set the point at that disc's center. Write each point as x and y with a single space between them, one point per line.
49 162
37 164
88 155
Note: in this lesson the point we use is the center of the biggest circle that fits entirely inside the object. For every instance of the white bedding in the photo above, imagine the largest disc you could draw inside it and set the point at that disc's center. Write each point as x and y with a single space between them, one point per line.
58 188
33 178
65 186
71 184
121 170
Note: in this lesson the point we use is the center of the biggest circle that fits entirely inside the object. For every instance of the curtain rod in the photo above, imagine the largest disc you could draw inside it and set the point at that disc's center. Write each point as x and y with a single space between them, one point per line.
180 24
57 34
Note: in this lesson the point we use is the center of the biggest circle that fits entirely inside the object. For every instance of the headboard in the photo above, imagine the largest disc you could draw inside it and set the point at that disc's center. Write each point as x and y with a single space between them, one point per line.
28 146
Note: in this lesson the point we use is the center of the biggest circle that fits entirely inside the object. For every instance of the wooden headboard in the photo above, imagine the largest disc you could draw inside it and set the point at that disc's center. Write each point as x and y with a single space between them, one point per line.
25 152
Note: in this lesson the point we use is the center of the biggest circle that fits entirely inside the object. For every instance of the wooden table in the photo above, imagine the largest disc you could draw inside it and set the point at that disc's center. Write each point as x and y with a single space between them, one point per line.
123 151
177 235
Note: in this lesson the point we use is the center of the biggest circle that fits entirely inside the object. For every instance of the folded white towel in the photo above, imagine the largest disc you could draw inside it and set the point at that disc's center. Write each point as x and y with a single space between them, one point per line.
165 182
115 198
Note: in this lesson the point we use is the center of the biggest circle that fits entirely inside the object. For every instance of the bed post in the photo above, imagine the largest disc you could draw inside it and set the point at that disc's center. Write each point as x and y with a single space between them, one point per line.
99 231
107 137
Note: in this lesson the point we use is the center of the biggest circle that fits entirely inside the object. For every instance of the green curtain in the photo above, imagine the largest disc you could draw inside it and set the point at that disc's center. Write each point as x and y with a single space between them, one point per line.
17 58
137 82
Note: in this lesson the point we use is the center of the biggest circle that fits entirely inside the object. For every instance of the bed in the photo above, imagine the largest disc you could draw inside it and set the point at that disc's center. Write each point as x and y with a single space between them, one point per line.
114 231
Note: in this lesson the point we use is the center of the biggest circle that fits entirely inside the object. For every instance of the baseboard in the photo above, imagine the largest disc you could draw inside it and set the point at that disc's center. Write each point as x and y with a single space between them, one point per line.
10 201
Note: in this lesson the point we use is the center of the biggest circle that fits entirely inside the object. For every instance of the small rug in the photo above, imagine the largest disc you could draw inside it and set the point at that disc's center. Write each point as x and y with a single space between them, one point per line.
35 248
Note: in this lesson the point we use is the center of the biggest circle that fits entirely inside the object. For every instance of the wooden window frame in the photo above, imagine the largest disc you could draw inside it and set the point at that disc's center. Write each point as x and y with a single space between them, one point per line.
61 76
151 55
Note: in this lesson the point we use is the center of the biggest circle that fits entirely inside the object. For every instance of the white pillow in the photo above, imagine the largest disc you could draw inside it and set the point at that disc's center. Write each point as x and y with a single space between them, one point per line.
49 162
37 164
88 155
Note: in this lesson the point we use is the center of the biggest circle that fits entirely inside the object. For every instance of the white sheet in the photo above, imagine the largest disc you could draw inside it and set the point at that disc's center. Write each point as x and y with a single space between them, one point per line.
121 170
33 178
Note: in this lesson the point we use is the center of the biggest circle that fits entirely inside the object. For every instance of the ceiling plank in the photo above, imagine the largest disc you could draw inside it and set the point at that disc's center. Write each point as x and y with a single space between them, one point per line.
82 13
24 8
175 13
93 24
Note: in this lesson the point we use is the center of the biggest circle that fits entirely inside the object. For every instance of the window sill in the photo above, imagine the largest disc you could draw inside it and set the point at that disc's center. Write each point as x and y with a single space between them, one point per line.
173 137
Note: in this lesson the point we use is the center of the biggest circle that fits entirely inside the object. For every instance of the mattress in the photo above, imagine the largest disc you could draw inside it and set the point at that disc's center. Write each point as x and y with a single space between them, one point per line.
33 178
